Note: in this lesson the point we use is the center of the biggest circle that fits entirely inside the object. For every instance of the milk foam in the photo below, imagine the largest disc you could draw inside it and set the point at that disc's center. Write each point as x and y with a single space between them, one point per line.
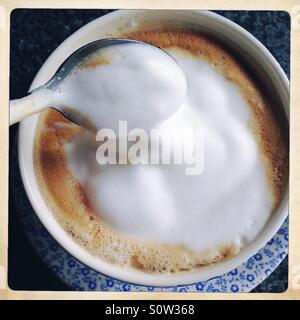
133 82
228 204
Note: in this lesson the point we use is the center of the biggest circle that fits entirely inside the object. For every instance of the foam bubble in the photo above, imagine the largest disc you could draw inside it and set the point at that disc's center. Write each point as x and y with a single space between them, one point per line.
228 204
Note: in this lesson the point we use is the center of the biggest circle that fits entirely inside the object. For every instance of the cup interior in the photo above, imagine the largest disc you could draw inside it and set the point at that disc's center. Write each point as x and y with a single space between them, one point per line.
111 25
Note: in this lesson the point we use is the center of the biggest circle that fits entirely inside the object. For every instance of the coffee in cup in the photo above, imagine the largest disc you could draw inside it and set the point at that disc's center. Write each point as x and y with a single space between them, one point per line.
155 218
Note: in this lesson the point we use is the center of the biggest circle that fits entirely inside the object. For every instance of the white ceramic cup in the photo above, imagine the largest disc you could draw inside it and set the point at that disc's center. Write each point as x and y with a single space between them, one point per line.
111 25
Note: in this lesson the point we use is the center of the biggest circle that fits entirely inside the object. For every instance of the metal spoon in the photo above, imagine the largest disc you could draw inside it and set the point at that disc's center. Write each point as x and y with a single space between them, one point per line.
21 108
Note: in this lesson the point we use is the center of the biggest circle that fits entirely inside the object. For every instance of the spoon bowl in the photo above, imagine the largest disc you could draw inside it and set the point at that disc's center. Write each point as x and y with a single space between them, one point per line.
42 97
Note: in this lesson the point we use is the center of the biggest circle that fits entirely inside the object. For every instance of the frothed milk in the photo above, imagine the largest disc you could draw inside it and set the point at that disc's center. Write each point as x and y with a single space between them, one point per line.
134 82
152 200
155 217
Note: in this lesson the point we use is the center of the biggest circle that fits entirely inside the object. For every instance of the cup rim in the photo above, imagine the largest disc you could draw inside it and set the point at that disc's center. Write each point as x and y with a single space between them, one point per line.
130 275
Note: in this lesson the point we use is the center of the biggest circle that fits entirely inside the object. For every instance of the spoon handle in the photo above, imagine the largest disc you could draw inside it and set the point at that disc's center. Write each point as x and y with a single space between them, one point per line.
36 101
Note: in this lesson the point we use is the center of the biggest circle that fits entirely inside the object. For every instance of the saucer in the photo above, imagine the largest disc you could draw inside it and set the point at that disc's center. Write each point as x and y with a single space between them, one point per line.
77 276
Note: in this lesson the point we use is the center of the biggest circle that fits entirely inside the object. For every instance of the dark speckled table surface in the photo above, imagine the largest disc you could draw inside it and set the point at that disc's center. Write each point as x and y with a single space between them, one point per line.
34 36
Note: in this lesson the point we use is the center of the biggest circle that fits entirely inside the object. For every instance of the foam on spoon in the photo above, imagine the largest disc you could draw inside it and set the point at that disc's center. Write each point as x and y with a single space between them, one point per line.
133 82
